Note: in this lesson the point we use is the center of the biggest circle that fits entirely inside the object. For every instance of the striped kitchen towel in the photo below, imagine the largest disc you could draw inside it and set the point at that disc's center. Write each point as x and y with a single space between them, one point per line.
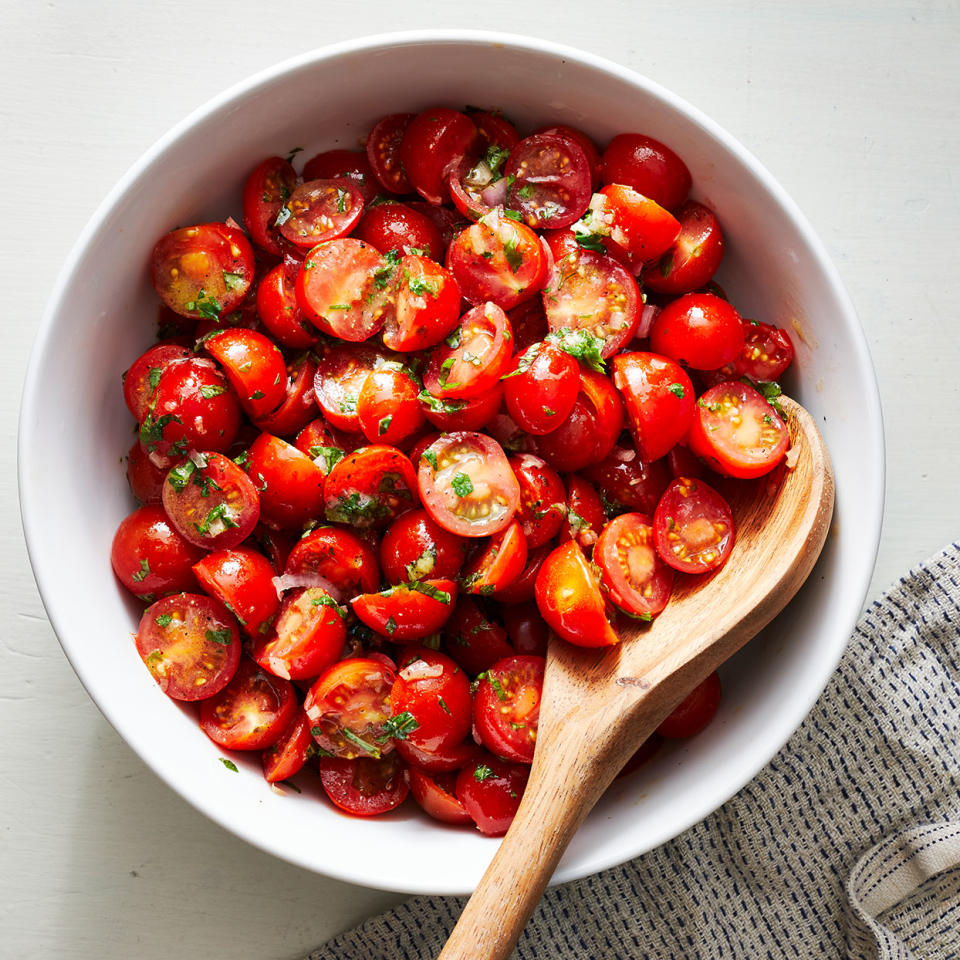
847 844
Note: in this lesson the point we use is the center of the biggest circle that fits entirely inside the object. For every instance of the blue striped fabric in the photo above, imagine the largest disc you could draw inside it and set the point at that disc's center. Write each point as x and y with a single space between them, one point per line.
847 844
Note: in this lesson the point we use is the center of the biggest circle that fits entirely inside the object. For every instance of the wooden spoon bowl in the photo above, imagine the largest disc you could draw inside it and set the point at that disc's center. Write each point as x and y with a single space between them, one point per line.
599 705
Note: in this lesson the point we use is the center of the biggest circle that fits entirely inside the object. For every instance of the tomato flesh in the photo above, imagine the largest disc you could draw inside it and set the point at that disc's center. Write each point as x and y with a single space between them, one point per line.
507 707
631 571
693 527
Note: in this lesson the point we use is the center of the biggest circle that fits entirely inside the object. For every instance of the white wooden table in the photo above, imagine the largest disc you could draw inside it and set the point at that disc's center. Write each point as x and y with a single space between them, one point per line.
854 107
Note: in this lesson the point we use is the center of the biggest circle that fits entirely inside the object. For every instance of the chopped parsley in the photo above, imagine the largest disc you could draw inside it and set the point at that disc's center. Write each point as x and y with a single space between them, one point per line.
155 373
384 425
495 158
220 513
229 764
440 406
210 390
391 626
223 637
418 287
453 340
513 215
151 430
482 772
179 476
208 307
358 509
677 390
324 600
591 241
526 191
164 620
330 456
358 741
383 275
233 281
462 484
581 344
143 572
513 255
399 727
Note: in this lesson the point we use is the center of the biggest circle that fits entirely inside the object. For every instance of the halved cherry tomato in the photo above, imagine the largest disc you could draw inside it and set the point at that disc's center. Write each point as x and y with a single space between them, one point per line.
490 790
631 571
473 358
150 557
290 484
494 129
497 563
522 589
437 796
341 374
551 185
434 144
587 145
289 755
526 629
506 707
279 311
268 186
190 644
529 324
299 405
649 166
472 640
426 305
308 635
447 760
694 257
569 597
395 226
627 483
737 432
694 712
211 501
415 547
319 210
585 516
472 414
693 527
542 388
477 185
767 352
141 380
251 712
254 366
542 498
467 486
202 271
498 259
383 152
364 787
349 165
144 476
242 580
698 329
371 486
349 707
407 611
338 560
659 398
387 408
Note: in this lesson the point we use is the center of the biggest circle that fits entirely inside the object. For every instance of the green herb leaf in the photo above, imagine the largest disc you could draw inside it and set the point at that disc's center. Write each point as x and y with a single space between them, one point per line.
677 390
330 457
513 255
164 620
210 390
513 215
581 344
293 153
142 573
453 340
179 476
325 600
482 772
440 406
462 484
431 458
399 727
220 513
418 287
155 374
233 281
223 637
495 158
424 564
358 741
591 241
384 425
390 626
229 764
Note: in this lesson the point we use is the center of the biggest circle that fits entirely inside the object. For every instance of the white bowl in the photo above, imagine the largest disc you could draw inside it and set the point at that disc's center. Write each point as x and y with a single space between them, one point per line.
75 428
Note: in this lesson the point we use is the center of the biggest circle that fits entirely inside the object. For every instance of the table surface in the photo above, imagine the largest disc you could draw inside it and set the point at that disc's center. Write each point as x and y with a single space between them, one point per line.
853 107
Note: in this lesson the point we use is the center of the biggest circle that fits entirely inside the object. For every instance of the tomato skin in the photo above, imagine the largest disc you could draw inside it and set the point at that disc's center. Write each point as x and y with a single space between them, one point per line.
414 547
543 498
340 376
584 516
636 228
288 756
319 210
474 642
521 590
659 400
736 432
242 580
437 797
587 145
370 487
448 760
299 406
497 563
267 187
647 165
683 463
626 482
698 329
436 692
383 152
395 226
279 311
569 598
144 476
251 712
551 185
434 144
694 257
471 415
493 487
767 352
694 712
339 557
364 787
526 629
507 706
387 408
150 557
349 165
405 612
490 790
541 390
631 571
142 378
254 367
693 527
290 484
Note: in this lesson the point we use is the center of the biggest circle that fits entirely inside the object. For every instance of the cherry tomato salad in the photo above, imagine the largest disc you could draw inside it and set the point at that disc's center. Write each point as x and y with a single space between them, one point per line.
428 403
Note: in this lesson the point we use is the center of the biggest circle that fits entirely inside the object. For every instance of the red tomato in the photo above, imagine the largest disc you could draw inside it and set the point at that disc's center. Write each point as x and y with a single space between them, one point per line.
371 486
432 695
583 141
498 259
145 477
473 641
190 645
525 628
309 635
625 482
585 516
473 358
699 329
299 406
737 432
434 144
279 311
338 559
341 374
407 611
211 501
529 324
414 547
242 580
494 129
441 761
592 293
569 598
349 707
472 414
767 352
150 557
694 257
507 707
251 712
467 486
551 185
648 166
289 754
683 463
477 185
641 755
694 712
383 152
542 388
387 408
364 787
659 399
497 563
693 527
449 222
542 498
319 210
202 271
290 484
437 796
264 193
631 227
395 226
490 790
631 572
342 288
254 366
343 165
522 589
141 380
426 305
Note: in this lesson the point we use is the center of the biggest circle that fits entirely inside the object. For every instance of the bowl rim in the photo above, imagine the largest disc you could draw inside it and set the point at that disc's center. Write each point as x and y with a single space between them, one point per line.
871 484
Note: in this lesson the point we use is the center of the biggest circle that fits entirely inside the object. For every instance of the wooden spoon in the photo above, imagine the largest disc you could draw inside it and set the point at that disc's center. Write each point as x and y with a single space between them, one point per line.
599 705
